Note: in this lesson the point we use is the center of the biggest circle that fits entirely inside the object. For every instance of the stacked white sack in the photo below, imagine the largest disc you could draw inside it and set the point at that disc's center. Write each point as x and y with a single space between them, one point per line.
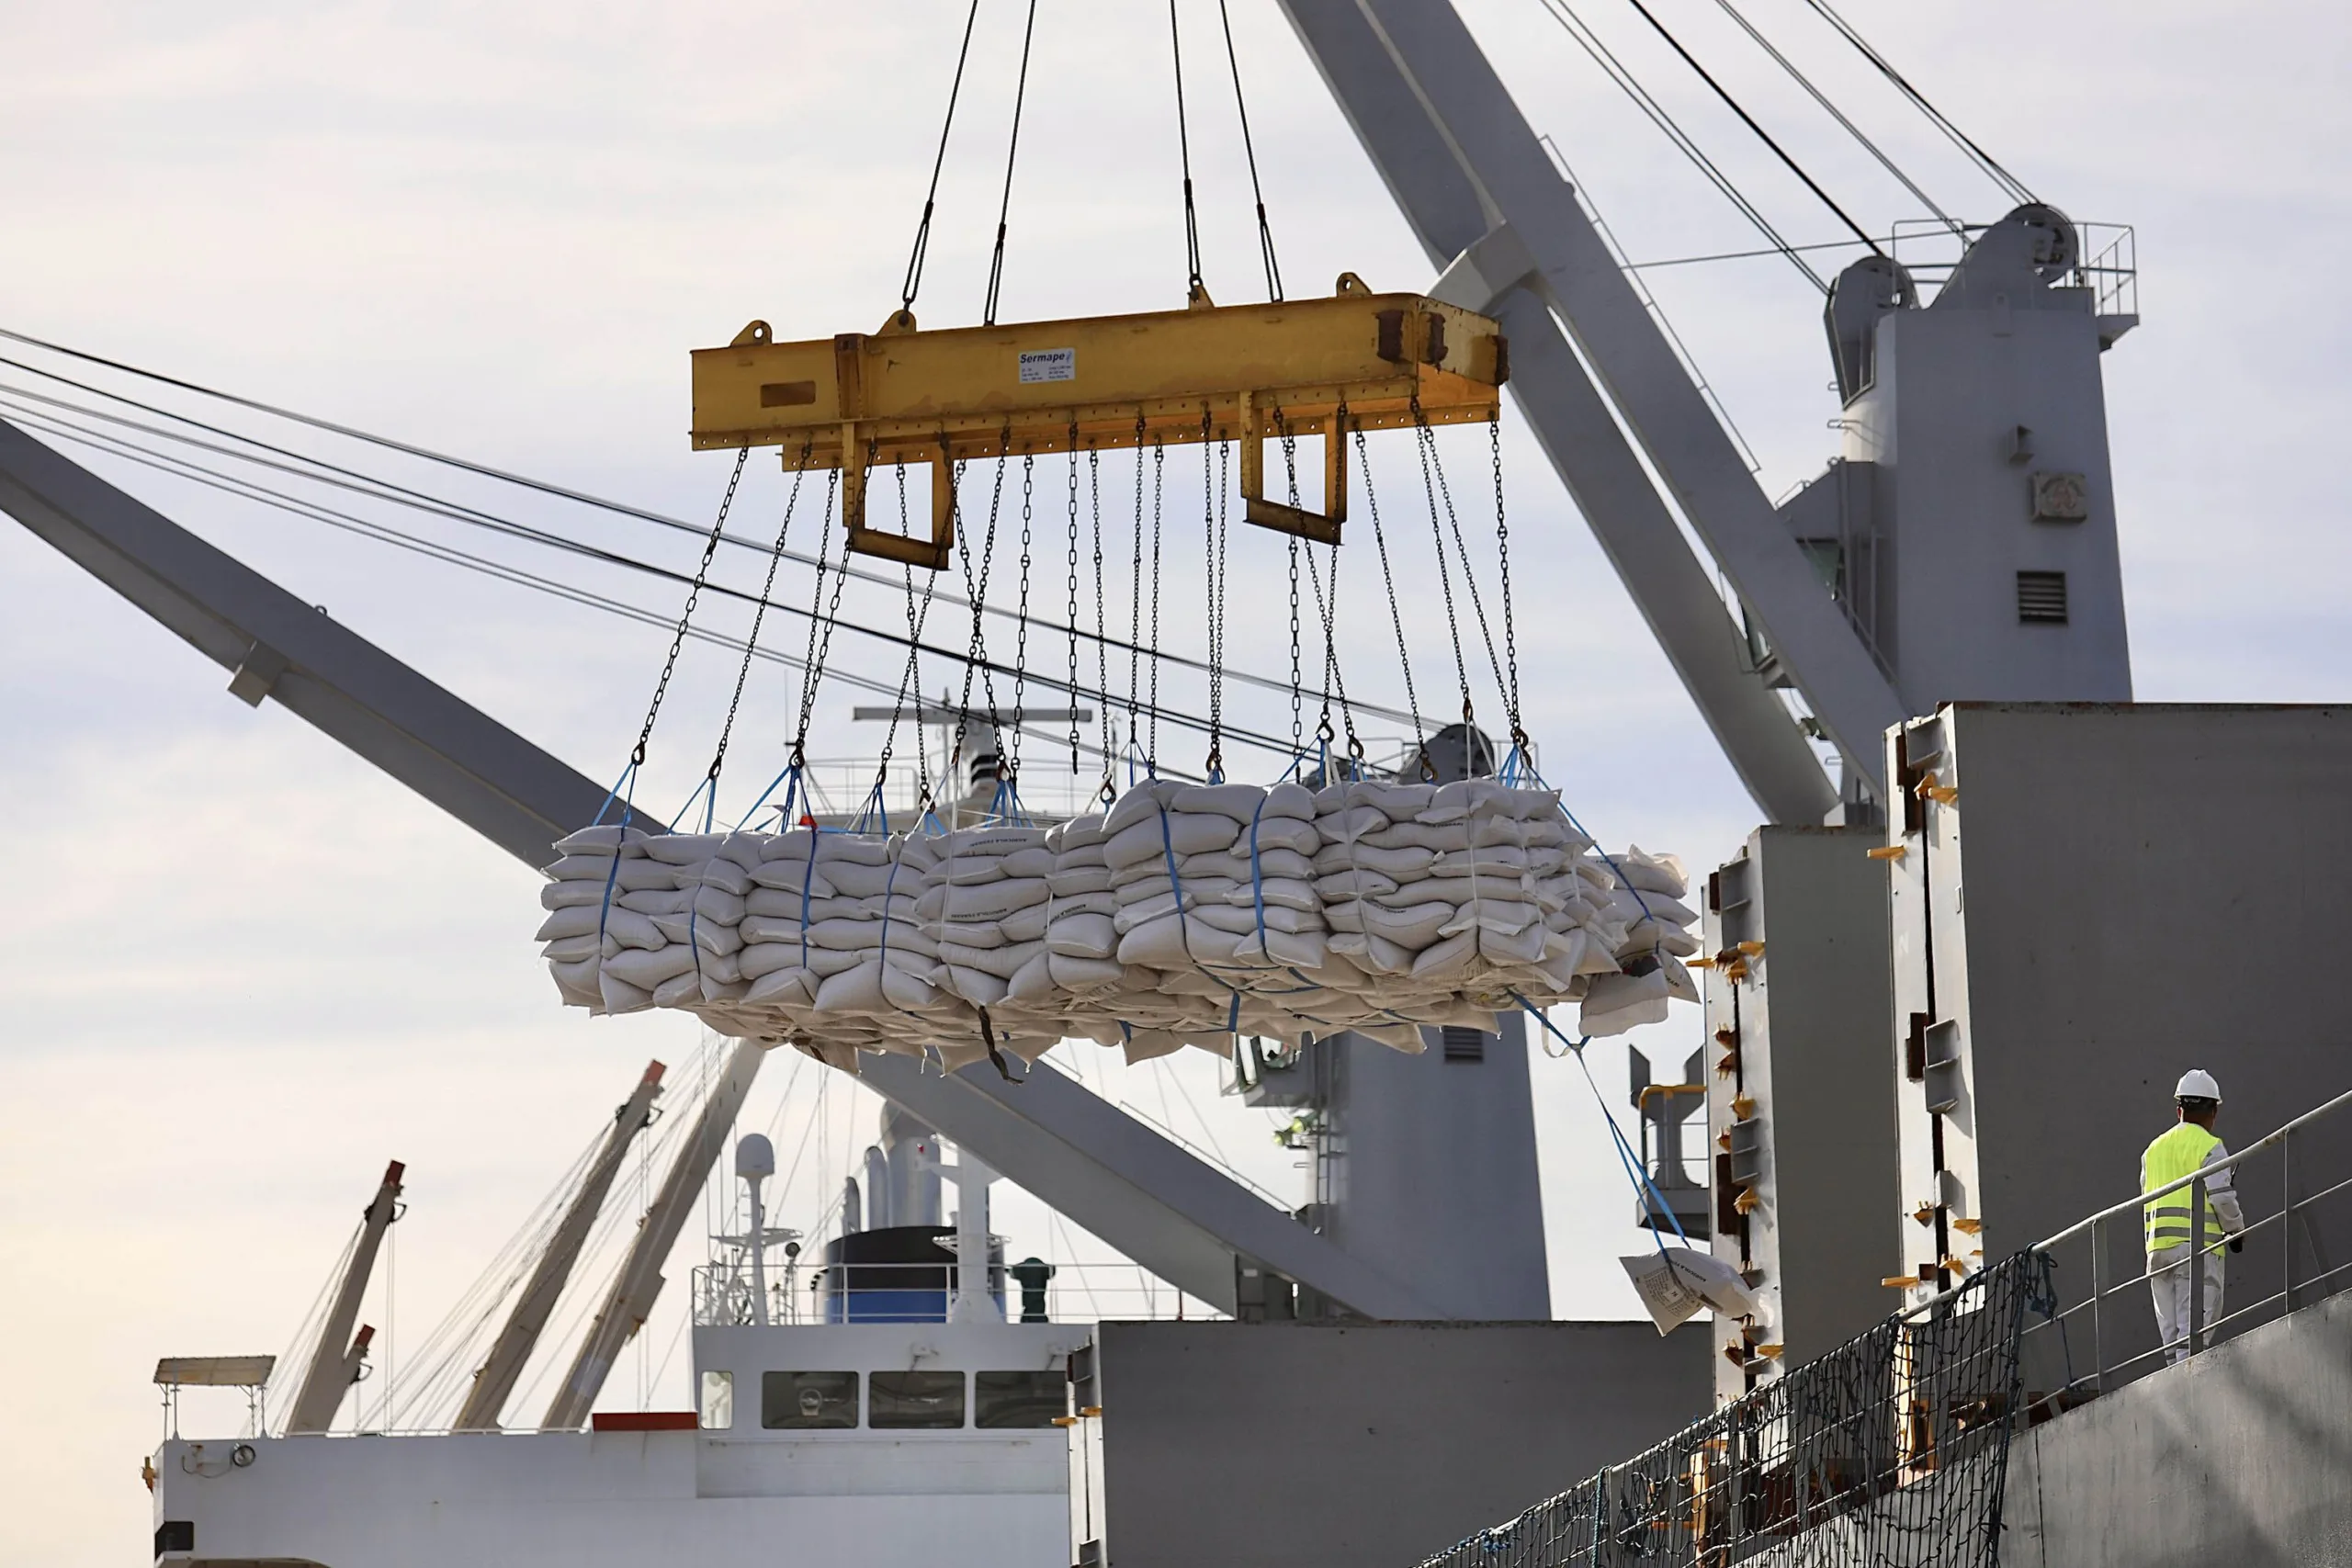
1183 915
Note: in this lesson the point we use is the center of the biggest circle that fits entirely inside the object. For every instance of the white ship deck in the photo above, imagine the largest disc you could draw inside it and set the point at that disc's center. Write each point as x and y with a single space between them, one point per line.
750 1481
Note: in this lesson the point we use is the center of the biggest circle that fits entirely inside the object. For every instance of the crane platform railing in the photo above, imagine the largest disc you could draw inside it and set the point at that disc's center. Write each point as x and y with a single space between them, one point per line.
2108 265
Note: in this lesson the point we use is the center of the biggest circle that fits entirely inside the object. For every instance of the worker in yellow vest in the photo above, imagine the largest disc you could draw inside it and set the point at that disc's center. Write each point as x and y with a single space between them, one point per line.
2190 1147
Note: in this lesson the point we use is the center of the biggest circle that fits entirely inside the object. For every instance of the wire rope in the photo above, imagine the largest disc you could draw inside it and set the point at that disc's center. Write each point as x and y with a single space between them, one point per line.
1742 255
931 200
380 533
2009 183
304 1342
1611 66
1195 289
403 495
686 616
1750 120
1444 577
525 534
383 533
1388 577
1012 152
1504 688
1257 191
759 616
1818 97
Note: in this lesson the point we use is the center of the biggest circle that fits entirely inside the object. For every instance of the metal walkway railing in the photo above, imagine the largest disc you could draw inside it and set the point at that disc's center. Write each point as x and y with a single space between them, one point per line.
1890 1451
2284 1253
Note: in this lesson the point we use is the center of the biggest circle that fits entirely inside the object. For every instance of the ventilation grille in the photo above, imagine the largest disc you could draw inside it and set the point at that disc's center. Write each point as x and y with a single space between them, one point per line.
2042 597
1464 1044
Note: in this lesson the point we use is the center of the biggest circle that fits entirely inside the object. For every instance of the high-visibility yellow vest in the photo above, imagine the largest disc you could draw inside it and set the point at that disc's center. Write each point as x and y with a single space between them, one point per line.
2178 1154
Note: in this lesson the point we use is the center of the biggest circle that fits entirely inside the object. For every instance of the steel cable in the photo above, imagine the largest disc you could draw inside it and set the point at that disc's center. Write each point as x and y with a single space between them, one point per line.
380 489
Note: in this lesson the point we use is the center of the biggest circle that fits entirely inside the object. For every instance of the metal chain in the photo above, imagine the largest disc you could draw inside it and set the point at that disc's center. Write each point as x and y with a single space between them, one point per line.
1298 702
1224 579
916 621
1461 549
1388 576
1134 594
1213 556
759 616
1328 610
1159 468
816 599
694 597
816 671
1510 629
1102 646
1334 681
1020 623
1444 577
1289 472
976 591
1073 599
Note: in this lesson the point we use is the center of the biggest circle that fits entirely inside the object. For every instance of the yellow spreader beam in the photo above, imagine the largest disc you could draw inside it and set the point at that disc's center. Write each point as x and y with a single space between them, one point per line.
1212 373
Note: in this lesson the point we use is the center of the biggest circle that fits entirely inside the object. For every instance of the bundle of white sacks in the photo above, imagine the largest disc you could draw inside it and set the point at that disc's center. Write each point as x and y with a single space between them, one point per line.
1183 915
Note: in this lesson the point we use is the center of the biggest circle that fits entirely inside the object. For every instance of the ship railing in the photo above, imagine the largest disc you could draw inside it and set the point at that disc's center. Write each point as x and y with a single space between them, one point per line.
809 1293
1890 1449
2294 1189
2108 265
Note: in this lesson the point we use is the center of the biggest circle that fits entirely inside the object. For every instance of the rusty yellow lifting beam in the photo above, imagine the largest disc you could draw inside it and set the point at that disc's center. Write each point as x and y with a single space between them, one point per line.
1211 373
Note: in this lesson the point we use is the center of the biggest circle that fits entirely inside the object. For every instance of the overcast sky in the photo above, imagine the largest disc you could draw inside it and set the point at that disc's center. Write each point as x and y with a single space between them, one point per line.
239 969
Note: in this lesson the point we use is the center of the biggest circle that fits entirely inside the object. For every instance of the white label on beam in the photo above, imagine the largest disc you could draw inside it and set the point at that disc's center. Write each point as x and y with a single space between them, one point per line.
1050 364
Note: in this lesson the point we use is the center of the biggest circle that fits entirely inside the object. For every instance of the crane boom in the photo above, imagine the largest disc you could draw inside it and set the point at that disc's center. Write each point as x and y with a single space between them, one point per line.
639 1280
1479 189
335 1362
495 1379
447 750
1141 1192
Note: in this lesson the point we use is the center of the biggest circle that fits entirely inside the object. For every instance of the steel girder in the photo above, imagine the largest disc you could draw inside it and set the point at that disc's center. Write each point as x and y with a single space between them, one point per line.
1490 208
1140 1191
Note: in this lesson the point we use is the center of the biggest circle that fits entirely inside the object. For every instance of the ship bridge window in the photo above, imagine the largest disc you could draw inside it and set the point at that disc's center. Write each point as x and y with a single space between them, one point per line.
718 1401
802 1401
1019 1399
919 1400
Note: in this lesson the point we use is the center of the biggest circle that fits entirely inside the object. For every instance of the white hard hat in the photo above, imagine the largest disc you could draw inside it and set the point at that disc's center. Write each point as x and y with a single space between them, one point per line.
2197 1084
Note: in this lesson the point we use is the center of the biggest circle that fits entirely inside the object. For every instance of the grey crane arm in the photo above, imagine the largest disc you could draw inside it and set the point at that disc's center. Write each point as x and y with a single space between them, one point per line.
1140 1192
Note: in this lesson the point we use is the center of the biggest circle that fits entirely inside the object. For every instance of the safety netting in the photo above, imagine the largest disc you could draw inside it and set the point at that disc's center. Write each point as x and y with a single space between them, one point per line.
1891 1451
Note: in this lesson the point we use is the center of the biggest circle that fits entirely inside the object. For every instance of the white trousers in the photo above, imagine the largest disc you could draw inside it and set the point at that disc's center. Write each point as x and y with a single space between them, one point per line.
2169 1279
